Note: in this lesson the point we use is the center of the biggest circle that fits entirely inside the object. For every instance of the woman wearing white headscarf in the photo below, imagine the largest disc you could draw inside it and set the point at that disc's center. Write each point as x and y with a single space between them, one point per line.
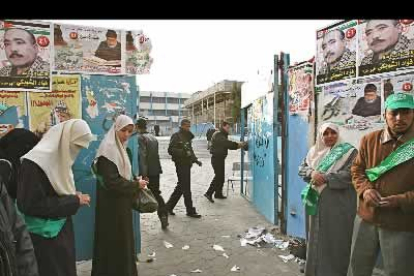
47 197
327 169
114 244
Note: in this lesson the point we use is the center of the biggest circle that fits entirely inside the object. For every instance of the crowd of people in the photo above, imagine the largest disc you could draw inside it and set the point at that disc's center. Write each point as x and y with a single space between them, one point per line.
39 196
361 202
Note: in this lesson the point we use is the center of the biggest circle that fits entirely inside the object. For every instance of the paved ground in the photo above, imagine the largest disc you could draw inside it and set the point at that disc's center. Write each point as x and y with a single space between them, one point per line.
220 225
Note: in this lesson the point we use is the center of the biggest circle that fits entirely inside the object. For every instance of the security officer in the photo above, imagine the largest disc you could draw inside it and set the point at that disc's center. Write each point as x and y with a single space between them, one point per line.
182 153
220 145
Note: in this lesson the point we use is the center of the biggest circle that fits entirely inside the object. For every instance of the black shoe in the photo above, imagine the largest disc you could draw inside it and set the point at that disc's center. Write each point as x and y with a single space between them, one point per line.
164 222
194 215
220 196
209 197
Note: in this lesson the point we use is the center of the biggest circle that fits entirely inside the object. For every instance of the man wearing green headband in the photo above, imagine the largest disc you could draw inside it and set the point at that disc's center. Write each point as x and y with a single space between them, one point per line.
383 176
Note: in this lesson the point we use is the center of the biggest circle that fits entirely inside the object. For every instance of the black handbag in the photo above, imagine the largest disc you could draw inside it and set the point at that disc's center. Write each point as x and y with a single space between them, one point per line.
145 202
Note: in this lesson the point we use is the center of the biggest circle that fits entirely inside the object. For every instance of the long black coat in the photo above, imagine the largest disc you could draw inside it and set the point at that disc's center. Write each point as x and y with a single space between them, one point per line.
16 249
36 197
148 157
114 245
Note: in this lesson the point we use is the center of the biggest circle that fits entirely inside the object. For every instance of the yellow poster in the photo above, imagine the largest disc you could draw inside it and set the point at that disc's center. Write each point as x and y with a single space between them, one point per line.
13 108
61 104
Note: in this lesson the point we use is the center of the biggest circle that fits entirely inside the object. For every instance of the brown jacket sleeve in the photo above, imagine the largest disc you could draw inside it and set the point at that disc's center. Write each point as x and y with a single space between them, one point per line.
406 201
359 178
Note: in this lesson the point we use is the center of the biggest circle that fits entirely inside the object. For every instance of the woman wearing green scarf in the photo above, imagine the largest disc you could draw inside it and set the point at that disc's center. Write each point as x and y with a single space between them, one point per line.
330 200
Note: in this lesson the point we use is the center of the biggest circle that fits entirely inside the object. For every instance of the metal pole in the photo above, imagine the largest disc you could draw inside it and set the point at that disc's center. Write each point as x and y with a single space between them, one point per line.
214 109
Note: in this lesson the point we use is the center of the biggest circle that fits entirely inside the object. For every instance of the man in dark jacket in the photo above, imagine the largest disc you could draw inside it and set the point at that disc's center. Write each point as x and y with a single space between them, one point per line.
182 153
209 135
150 167
219 150
17 256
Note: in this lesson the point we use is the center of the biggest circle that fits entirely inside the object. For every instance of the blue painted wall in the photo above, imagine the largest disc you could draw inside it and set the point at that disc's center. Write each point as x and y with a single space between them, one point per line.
121 92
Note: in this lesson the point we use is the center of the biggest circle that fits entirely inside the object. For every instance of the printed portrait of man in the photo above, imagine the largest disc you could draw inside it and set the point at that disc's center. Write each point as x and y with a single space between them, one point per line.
384 37
335 53
58 36
110 49
370 104
22 53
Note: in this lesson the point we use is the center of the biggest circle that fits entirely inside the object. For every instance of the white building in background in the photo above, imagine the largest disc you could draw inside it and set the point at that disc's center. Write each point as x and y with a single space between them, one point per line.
165 109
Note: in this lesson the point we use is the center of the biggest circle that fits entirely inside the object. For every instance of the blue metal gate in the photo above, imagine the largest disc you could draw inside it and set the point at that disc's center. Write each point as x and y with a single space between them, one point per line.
298 129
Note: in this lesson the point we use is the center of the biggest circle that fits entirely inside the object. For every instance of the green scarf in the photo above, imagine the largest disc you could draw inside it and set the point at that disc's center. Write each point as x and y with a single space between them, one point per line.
310 197
47 228
401 155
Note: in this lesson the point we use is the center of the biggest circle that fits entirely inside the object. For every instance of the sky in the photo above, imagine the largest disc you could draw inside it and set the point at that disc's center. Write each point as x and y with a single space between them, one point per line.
192 55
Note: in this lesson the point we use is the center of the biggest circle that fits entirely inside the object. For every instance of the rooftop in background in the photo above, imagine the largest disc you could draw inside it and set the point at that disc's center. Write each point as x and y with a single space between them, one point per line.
222 86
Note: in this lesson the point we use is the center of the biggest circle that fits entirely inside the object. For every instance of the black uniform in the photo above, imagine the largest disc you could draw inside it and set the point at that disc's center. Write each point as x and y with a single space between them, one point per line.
219 151
209 135
150 166
182 153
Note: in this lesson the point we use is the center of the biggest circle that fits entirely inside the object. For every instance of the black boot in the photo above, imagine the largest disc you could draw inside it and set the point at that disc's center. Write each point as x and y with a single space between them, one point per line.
193 213
220 196
164 221
209 197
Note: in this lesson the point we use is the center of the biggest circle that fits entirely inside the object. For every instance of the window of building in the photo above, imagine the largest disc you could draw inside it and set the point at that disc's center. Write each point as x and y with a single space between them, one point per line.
173 100
158 100
158 112
144 99
172 112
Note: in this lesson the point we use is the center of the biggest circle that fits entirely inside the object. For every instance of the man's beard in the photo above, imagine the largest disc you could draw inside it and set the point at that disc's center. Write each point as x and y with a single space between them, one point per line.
370 101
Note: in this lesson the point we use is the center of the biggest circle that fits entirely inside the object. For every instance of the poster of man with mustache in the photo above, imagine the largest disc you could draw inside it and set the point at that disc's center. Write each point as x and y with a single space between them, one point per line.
385 46
336 52
25 51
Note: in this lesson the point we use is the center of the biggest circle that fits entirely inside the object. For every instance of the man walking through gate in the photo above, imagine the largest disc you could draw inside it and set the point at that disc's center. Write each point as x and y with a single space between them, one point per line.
220 145
383 177
150 167
182 153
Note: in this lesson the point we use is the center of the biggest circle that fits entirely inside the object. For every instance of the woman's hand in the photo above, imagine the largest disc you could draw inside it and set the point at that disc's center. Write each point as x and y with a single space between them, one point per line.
142 183
318 178
84 199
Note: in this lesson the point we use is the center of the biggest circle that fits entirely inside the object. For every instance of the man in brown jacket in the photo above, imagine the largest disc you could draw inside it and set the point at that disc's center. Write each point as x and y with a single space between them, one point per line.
383 176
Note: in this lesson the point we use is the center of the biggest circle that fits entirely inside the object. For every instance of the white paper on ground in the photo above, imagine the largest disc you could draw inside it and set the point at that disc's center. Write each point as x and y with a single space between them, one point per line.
287 258
218 247
235 268
168 245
